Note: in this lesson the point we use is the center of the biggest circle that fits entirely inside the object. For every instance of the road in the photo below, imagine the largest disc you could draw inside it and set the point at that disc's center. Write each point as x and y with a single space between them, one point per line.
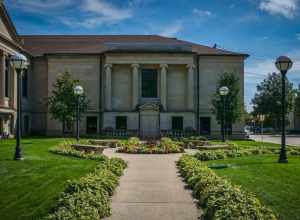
293 140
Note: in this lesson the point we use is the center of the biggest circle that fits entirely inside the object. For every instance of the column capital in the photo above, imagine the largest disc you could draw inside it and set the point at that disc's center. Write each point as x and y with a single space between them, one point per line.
107 65
135 65
164 65
190 66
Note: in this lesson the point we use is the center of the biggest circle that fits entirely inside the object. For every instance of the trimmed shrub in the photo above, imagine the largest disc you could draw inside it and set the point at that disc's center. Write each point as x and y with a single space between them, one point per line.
206 155
88 197
165 146
65 149
218 197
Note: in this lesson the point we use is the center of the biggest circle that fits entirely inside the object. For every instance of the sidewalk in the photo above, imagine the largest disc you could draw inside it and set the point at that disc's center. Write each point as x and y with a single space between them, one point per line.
151 189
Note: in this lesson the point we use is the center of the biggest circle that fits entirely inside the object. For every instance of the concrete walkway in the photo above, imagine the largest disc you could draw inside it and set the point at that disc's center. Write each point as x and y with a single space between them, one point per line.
151 189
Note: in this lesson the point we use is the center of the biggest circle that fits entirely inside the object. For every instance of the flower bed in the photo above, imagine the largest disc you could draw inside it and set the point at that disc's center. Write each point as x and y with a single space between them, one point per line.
218 197
88 197
164 146
206 155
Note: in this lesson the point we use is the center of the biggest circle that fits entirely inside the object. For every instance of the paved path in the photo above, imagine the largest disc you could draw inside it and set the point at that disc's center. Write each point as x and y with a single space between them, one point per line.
151 189
293 140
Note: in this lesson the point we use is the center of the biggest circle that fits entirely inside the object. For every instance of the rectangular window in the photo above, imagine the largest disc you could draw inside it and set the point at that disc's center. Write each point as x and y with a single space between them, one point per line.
6 78
121 123
177 123
205 125
25 83
91 124
149 83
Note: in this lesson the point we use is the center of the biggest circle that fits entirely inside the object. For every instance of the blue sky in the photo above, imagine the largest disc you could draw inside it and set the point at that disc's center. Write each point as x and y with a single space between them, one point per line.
264 29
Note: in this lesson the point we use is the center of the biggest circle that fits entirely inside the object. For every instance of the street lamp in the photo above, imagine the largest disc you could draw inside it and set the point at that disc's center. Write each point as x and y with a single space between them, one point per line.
20 63
78 91
283 64
223 92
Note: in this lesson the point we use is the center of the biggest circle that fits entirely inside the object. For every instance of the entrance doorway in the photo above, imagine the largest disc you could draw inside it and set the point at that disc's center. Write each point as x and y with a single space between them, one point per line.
149 120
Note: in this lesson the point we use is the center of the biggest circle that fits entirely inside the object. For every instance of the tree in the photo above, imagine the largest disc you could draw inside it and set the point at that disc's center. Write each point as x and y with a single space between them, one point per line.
62 104
233 101
297 102
267 99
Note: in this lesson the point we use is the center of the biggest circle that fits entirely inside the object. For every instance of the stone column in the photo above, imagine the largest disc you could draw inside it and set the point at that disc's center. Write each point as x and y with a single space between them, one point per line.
135 85
163 86
108 69
2 77
190 87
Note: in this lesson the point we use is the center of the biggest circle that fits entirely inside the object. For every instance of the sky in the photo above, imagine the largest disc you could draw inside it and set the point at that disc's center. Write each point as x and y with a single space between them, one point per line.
265 29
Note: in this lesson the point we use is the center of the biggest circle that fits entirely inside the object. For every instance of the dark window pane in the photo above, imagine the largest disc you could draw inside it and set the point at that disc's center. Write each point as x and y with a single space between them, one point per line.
205 125
25 84
91 125
6 89
121 123
149 83
177 123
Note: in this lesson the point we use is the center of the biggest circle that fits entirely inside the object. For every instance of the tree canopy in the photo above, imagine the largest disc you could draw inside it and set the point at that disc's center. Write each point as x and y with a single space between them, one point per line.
63 102
233 101
267 99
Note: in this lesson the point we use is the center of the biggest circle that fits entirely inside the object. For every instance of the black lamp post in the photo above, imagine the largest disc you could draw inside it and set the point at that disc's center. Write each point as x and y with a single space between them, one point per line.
223 92
20 63
283 64
78 91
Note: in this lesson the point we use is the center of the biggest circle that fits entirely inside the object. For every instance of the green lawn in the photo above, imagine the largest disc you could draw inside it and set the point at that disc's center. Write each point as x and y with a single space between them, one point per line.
277 185
28 188
247 143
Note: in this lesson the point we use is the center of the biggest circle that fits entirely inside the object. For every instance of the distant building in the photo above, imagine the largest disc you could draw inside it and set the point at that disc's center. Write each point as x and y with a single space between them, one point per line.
144 84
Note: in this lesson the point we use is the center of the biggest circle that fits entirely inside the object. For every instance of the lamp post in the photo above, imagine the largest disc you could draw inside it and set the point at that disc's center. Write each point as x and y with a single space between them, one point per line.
283 64
78 91
261 119
223 92
20 63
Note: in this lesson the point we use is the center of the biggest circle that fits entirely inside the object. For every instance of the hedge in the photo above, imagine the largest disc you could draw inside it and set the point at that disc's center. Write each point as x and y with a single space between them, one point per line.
65 149
164 146
218 197
88 197
206 155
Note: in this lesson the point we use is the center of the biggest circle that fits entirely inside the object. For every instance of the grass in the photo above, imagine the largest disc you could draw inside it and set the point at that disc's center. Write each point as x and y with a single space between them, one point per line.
28 188
277 185
247 143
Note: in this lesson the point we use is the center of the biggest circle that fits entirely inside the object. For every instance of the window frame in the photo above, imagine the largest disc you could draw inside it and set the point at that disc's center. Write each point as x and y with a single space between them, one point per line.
174 118
201 126
119 122
89 130
155 79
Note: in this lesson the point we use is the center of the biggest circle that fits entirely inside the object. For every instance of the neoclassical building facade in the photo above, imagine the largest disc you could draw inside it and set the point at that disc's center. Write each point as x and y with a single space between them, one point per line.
147 85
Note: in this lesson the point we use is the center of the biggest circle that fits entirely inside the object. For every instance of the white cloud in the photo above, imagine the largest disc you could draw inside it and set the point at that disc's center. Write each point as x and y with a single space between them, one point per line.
172 30
99 12
202 13
38 5
256 71
286 8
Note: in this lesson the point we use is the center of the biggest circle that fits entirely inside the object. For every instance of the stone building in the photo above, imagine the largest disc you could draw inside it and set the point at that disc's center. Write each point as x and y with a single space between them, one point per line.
144 84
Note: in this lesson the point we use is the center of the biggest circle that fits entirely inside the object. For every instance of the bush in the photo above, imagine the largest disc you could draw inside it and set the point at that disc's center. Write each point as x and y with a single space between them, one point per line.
218 197
88 197
205 155
194 142
165 146
65 149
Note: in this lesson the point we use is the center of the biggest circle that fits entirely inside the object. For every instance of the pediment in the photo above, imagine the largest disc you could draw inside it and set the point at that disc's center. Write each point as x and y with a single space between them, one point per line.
7 28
